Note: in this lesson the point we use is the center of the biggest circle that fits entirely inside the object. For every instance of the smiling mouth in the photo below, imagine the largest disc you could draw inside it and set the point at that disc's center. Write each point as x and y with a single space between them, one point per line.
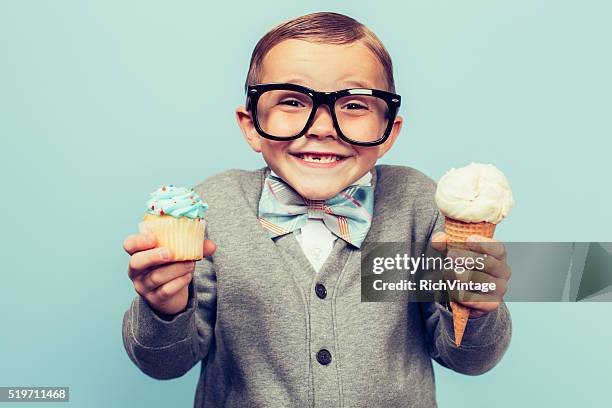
319 157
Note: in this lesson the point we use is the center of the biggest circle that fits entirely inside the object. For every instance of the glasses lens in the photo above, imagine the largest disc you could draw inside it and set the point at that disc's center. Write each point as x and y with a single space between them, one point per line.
283 113
362 118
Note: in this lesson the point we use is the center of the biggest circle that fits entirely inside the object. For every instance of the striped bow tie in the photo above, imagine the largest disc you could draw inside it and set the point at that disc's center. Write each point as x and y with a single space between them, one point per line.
348 215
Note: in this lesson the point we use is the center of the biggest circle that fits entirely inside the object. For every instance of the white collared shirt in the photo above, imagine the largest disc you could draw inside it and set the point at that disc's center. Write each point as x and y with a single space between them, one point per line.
315 238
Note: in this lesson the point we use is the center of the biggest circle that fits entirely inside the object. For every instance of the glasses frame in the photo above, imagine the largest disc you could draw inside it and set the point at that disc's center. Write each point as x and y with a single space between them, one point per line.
322 98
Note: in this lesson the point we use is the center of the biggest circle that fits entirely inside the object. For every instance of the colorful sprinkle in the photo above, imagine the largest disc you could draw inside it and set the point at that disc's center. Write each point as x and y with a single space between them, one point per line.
177 202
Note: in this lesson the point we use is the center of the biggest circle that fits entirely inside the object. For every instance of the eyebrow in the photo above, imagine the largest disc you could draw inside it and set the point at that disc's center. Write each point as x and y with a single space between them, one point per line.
355 83
347 84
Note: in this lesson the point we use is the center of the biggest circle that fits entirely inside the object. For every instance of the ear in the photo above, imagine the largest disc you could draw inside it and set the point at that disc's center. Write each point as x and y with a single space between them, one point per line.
395 130
245 122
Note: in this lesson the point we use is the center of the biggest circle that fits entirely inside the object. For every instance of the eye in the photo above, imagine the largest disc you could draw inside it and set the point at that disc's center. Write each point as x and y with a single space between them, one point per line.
355 105
291 102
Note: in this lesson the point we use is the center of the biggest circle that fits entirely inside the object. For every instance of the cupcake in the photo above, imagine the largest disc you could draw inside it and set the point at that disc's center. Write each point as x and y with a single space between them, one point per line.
473 199
175 216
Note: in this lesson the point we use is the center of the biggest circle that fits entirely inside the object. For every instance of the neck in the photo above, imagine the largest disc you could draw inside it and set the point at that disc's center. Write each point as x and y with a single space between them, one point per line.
365 180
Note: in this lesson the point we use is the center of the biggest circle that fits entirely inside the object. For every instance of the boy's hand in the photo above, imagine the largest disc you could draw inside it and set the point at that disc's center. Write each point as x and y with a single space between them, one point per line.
495 269
162 282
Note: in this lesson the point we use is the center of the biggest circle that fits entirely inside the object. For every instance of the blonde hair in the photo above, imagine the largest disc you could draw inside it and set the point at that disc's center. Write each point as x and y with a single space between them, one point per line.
324 27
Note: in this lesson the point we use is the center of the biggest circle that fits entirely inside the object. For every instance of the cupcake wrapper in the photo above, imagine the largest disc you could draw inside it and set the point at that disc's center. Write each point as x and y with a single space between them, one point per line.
457 233
183 236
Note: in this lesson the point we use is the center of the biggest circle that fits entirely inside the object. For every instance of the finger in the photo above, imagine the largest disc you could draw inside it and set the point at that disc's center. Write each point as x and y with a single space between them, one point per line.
487 283
497 268
170 289
139 242
478 297
143 260
461 253
438 241
209 247
164 274
466 260
481 262
487 246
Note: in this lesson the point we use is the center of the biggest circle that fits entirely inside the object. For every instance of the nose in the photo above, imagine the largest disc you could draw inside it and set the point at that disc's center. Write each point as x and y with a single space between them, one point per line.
322 125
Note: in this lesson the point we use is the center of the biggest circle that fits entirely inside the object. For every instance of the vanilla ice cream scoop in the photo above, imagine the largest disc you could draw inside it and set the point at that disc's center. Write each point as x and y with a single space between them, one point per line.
475 193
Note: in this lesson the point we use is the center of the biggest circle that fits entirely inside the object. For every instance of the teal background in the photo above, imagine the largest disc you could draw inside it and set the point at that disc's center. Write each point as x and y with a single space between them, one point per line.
103 101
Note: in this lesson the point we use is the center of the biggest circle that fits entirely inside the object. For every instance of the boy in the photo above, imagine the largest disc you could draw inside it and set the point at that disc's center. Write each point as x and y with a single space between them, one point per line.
274 310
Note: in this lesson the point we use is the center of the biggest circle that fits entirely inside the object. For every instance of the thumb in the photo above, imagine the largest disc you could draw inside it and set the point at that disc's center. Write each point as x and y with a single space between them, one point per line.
438 241
209 247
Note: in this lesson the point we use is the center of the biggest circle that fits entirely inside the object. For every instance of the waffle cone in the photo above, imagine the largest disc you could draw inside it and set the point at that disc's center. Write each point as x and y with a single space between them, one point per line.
184 237
457 233
460 319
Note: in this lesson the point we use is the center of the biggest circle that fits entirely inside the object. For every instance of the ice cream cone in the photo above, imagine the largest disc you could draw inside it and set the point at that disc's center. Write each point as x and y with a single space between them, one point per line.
460 319
473 199
457 233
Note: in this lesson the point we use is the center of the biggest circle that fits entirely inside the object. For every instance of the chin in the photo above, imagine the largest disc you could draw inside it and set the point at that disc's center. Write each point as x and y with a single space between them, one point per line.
313 192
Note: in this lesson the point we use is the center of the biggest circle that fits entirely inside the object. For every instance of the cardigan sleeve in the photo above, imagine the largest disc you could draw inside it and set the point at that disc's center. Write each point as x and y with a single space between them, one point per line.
168 346
484 343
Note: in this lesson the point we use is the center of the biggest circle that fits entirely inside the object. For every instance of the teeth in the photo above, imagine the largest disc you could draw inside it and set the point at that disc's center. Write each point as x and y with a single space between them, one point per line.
318 159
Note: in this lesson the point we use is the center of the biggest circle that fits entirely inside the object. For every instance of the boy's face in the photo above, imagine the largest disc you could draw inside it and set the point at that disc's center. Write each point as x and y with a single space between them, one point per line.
323 67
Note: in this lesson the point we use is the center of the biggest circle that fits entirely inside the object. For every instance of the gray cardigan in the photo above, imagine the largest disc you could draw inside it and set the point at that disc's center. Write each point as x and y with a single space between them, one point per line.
267 337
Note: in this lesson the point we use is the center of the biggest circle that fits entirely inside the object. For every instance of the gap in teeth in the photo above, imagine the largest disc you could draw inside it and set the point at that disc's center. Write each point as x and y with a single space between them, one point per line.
319 159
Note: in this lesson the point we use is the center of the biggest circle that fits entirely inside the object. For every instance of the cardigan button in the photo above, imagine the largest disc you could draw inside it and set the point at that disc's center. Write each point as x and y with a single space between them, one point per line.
320 291
324 357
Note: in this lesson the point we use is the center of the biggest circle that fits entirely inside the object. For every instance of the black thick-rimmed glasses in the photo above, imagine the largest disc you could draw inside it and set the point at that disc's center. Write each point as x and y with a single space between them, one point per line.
362 117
